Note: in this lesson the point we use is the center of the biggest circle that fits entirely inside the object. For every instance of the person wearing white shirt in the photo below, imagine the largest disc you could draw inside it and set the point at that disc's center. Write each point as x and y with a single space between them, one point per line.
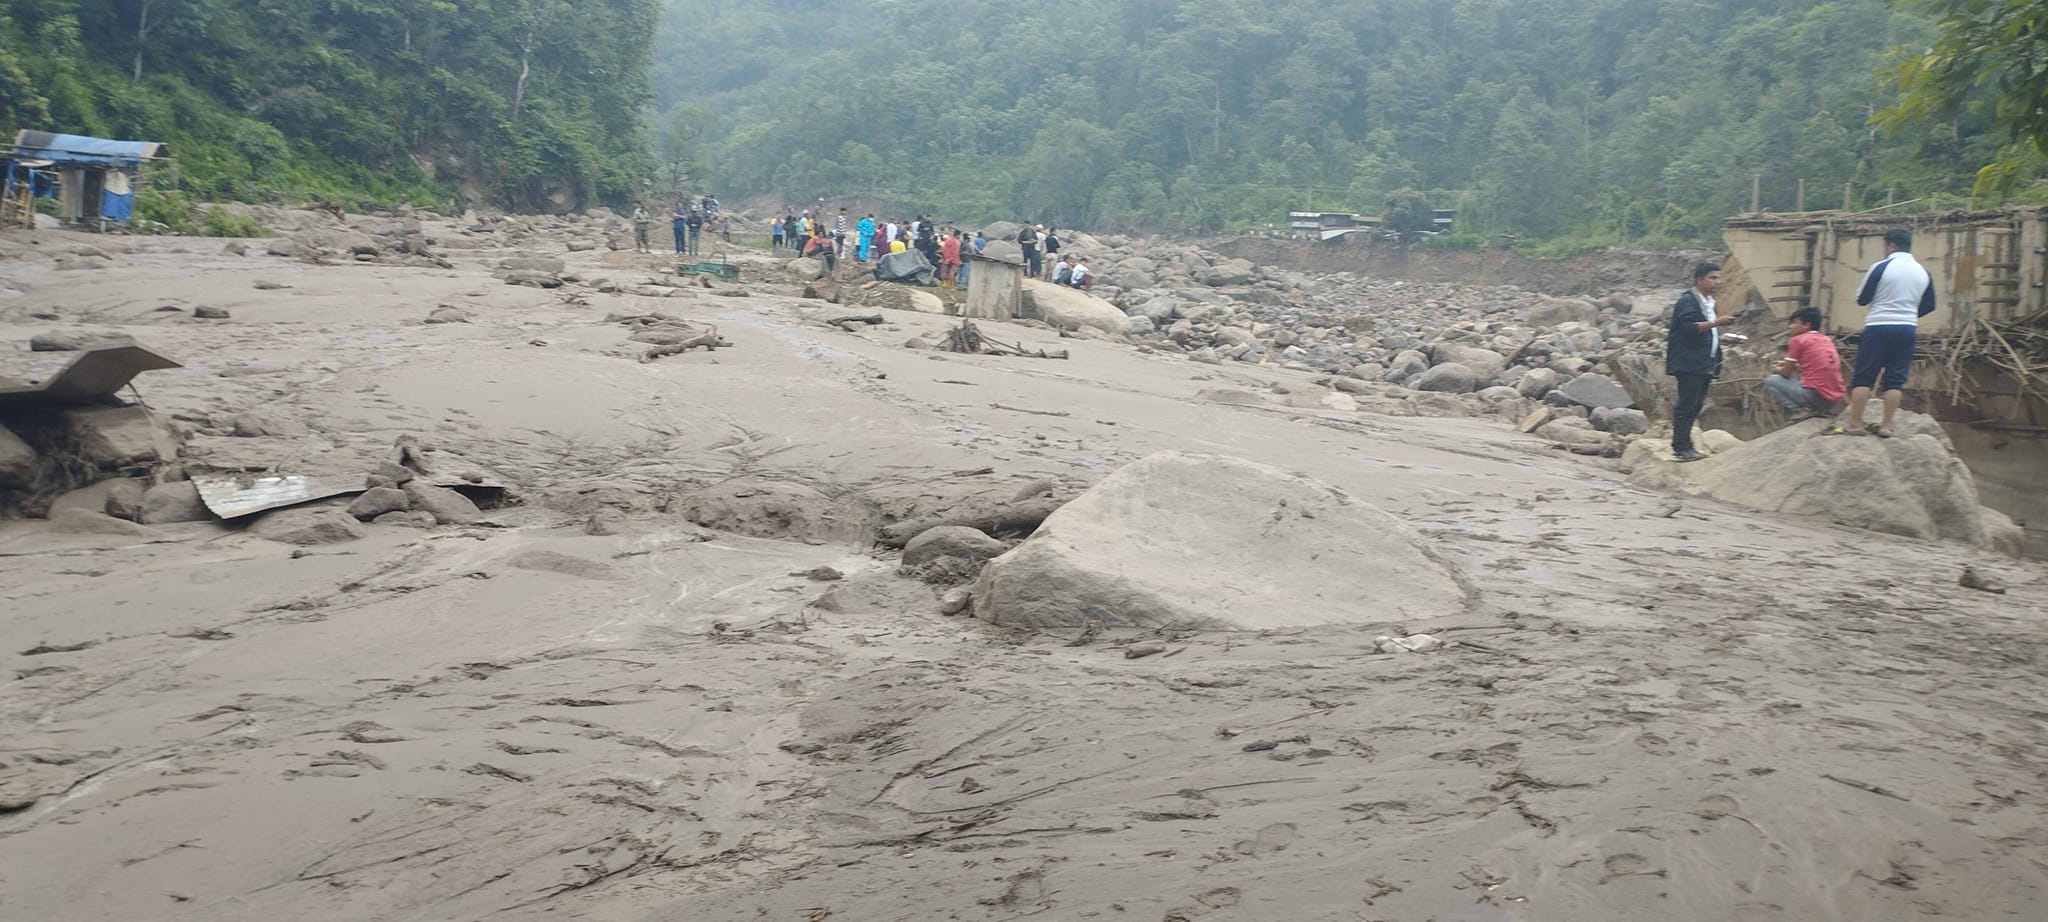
1898 292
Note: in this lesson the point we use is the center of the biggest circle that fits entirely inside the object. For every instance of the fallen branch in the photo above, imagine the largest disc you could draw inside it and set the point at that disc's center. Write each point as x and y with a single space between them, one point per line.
708 339
998 406
844 323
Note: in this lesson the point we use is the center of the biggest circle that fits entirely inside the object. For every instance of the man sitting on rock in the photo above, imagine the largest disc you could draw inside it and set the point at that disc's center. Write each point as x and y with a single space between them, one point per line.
1809 379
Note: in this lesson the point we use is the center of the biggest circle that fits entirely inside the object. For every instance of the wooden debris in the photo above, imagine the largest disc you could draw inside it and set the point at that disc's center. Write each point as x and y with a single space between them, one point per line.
708 339
968 338
998 406
846 323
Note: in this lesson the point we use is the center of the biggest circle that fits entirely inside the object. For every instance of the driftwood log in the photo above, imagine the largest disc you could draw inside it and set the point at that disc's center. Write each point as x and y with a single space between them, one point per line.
708 339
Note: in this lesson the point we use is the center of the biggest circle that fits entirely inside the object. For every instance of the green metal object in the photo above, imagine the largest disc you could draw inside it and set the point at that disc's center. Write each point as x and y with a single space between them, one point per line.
721 269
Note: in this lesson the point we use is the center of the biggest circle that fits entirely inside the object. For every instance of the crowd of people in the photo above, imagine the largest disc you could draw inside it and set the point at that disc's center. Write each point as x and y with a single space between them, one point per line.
688 223
868 238
1808 381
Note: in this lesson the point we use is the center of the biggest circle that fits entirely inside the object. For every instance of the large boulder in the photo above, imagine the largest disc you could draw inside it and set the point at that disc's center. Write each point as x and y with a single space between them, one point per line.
1216 542
1912 485
1072 309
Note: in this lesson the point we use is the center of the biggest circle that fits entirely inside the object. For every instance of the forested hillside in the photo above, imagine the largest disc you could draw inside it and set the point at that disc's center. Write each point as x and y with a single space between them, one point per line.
1582 121
525 103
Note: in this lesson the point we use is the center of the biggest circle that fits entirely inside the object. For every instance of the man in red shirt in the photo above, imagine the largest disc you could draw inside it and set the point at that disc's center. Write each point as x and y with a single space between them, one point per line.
1809 379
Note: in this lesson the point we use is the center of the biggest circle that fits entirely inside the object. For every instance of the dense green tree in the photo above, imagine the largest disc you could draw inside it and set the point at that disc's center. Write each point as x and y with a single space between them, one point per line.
1575 120
528 103
1993 47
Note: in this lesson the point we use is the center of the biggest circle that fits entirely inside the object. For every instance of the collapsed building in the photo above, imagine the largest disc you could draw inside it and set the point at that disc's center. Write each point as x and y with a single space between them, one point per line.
1981 367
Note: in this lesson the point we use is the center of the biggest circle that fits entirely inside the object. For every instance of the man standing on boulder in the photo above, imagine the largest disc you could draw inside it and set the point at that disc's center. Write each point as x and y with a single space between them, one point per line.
640 221
1692 354
1898 292
1027 241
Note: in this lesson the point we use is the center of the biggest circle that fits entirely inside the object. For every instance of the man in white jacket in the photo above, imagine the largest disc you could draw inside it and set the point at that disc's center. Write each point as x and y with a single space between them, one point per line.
1899 292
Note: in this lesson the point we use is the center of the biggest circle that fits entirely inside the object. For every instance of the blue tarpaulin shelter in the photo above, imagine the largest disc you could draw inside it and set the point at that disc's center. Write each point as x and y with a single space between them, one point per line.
95 178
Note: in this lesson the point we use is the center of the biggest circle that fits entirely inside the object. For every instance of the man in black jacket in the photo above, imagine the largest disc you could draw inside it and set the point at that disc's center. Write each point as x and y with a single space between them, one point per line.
1692 354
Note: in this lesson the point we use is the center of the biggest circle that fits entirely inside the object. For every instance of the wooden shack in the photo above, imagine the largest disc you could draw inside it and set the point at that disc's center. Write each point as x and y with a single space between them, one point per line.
94 180
995 288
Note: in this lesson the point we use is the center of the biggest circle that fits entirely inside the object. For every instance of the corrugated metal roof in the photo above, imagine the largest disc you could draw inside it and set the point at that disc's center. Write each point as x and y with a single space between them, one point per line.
92 376
73 148
235 495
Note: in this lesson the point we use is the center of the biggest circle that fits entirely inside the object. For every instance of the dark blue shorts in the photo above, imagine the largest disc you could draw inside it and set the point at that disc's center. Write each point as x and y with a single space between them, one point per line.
1886 348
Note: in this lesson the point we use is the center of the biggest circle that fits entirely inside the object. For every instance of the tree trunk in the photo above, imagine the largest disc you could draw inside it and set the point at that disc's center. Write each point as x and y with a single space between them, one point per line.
519 89
141 36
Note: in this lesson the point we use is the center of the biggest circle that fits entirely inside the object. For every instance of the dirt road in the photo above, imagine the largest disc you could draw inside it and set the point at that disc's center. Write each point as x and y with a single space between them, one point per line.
1661 709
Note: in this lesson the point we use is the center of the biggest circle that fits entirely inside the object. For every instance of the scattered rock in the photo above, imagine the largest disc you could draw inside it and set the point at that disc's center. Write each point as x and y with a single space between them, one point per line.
307 526
87 522
1624 421
1972 579
116 436
956 600
19 465
557 562
447 506
179 501
209 312
1413 643
1188 539
1537 382
1449 378
377 501
77 341
255 424
413 519
236 248
446 314
951 541
605 521
1595 391
268 285
1144 649
823 574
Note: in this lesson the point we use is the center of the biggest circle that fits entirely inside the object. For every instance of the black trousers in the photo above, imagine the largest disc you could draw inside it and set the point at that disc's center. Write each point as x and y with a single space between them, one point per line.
1692 395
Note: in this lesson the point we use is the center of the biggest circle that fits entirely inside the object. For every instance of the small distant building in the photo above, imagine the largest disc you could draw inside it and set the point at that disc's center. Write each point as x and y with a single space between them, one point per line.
995 288
1330 225
94 180
1444 218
